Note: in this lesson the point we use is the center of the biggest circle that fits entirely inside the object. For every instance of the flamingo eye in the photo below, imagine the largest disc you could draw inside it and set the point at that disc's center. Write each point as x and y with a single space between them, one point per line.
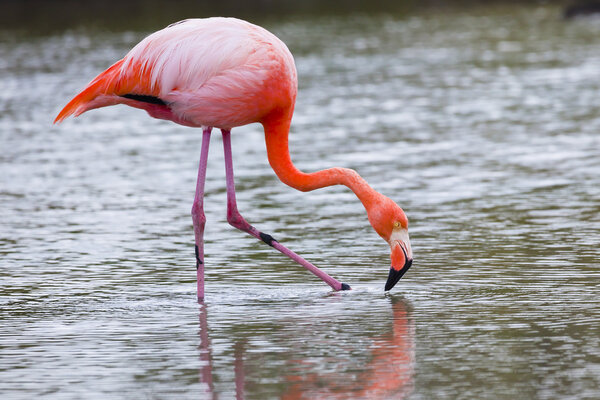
396 224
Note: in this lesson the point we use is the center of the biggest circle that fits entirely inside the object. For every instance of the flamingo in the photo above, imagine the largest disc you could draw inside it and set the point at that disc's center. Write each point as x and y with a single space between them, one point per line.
223 73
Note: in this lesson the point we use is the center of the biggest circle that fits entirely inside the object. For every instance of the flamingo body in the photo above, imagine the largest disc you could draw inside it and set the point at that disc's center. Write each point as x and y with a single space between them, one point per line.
223 73
219 72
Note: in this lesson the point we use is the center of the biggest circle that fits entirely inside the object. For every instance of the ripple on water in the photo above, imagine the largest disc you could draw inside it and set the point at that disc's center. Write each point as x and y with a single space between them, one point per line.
482 125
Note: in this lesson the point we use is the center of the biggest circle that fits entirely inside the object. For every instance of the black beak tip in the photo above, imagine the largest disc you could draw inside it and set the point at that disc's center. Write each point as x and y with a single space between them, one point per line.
394 276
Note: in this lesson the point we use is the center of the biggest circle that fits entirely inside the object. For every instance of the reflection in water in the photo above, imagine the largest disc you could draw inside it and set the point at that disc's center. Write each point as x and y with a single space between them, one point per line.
206 374
206 365
239 369
388 373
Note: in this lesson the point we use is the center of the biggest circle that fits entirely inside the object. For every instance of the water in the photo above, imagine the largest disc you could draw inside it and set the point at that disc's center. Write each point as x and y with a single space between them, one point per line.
481 123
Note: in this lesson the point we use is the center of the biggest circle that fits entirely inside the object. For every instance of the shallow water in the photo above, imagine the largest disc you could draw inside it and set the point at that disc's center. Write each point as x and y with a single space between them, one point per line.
482 124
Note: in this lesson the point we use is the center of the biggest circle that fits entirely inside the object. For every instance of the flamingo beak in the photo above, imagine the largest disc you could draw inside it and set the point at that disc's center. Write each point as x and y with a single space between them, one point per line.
401 259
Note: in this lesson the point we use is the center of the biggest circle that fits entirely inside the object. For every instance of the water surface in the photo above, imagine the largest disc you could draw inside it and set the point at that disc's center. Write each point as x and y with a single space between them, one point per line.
481 123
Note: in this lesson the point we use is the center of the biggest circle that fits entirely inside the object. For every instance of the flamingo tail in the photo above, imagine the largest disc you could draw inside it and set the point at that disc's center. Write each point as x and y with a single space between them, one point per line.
100 92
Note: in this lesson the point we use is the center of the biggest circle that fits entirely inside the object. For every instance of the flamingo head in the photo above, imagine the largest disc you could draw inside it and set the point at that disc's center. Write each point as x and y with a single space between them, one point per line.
390 222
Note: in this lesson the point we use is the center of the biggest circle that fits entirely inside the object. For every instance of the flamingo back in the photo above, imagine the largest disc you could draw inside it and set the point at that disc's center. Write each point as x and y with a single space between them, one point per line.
220 72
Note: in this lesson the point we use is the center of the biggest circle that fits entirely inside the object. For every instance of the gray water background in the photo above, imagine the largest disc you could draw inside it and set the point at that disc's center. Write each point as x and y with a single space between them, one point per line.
483 124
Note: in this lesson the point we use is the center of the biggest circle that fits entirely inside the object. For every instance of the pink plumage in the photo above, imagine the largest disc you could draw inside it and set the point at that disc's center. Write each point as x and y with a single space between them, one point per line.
220 72
224 72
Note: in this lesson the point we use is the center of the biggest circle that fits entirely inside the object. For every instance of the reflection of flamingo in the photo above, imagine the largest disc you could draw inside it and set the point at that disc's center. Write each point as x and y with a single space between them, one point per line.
206 369
206 373
389 373
223 72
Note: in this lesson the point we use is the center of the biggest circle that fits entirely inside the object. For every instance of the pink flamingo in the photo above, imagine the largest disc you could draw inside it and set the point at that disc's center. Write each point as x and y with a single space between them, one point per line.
223 73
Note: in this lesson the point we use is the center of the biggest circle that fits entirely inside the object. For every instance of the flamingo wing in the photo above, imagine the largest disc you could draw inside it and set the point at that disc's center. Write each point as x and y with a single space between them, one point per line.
220 72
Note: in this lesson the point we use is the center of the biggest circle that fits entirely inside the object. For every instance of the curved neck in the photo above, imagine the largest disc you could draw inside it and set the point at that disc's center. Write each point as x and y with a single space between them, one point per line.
276 137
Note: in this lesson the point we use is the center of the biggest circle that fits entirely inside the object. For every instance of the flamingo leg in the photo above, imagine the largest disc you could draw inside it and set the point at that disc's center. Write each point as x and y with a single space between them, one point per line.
236 220
198 217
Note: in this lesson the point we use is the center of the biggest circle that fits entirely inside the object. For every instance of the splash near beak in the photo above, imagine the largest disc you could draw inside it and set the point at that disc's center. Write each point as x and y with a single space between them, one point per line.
400 264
